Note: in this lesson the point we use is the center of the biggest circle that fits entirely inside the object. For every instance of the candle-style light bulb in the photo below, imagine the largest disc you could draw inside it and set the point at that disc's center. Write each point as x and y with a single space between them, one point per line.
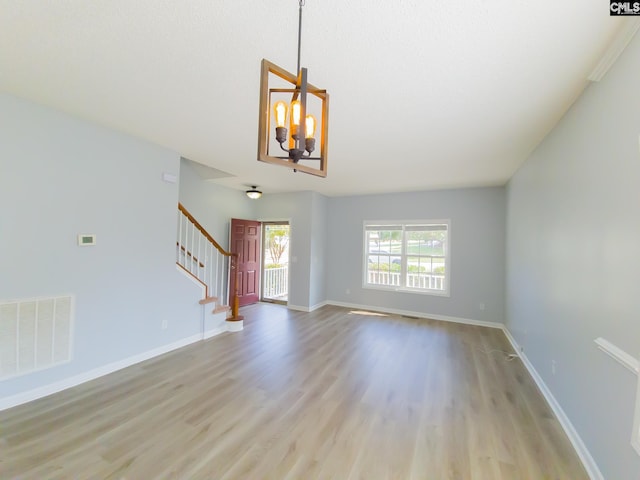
310 126
280 111
295 117
310 142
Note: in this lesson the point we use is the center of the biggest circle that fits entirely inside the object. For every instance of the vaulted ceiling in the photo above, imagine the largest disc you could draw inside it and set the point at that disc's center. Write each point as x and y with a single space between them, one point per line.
424 94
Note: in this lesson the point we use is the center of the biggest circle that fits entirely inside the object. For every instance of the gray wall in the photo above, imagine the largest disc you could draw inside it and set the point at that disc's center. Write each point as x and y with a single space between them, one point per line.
60 176
306 212
213 205
573 258
477 243
319 234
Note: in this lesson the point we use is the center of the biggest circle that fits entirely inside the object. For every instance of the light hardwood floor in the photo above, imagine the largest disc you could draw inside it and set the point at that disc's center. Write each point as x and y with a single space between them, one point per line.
329 394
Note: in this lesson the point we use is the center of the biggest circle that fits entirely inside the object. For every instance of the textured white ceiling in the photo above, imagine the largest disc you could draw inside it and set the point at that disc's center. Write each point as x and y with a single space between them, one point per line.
424 94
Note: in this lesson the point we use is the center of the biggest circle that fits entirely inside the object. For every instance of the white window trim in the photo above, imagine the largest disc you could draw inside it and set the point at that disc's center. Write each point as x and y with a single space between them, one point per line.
447 279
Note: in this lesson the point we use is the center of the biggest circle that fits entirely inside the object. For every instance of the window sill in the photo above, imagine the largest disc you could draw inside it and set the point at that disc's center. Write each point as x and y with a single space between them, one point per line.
434 293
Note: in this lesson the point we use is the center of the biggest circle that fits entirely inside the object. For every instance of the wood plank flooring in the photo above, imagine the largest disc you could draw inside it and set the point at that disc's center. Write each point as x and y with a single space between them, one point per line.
329 394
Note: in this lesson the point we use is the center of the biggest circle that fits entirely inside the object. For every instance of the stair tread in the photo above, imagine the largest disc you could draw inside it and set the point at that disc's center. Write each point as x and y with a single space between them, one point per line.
204 301
221 308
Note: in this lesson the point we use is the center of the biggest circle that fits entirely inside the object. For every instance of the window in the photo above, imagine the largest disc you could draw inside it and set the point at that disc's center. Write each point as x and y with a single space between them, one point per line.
407 256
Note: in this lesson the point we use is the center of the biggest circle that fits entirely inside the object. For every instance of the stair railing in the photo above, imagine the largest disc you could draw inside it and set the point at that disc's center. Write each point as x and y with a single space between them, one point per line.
198 254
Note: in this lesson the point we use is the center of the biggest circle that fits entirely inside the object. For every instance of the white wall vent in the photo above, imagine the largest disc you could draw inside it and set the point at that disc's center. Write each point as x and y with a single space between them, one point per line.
34 334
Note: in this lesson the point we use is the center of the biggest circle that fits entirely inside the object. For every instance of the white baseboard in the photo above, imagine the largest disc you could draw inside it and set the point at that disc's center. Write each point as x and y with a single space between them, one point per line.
307 309
297 308
589 463
318 305
214 324
55 387
409 313
215 331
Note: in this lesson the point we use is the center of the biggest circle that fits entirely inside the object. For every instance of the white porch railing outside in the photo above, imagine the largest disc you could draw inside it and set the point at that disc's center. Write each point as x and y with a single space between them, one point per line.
384 278
414 280
276 282
198 256
425 280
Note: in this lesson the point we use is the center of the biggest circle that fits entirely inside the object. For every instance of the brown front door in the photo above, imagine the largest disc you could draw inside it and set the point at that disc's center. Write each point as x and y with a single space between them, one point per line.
245 241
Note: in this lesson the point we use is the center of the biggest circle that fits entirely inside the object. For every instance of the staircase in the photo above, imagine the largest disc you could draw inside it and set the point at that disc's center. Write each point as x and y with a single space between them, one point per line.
208 264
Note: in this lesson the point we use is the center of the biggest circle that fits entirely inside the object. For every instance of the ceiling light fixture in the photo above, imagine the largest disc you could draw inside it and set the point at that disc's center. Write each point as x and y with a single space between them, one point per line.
253 194
288 96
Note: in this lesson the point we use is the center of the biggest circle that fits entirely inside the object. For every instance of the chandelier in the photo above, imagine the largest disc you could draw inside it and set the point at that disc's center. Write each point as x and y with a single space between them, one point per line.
288 99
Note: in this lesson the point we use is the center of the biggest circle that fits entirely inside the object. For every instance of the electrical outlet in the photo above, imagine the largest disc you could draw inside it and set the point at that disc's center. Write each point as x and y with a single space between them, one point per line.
165 324
553 367
481 306
348 291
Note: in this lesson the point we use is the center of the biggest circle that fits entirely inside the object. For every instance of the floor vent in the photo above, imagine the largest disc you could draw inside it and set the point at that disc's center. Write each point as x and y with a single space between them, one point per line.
34 334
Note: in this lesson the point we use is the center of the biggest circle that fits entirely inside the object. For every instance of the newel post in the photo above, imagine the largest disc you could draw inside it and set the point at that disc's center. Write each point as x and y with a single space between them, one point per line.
235 301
